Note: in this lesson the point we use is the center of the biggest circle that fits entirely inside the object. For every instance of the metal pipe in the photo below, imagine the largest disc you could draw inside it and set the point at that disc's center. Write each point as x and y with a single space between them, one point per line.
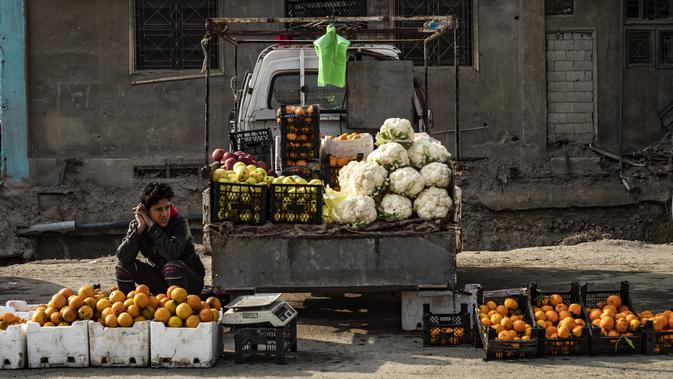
206 110
456 67
425 89
72 226
621 88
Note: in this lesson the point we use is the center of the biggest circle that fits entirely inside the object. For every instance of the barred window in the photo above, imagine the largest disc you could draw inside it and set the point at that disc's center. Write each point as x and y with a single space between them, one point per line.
441 49
168 34
639 47
649 9
319 8
665 48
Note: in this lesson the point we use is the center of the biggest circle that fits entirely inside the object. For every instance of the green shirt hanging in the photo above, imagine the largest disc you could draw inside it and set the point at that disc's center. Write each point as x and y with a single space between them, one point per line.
332 58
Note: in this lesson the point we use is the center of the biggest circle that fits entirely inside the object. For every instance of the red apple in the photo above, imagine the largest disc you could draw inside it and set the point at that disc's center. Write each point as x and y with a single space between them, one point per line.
230 162
228 155
245 159
262 165
239 153
217 154
272 173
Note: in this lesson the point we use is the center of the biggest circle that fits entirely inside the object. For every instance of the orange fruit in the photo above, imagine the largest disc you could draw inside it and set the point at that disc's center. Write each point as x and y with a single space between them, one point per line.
622 325
216 314
507 323
496 318
550 331
204 305
609 313
484 321
516 318
551 316
596 322
519 326
131 294
564 315
141 300
66 292
541 323
163 301
564 332
153 302
118 307
568 323
55 318
555 299
161 296
139 318
107 311
659 323
86 291
539 315
162 315
615 301
91 302
117 297
491 305
498 328
75 301
48 324
125 320
169 291
670 323
575 309
171 305
111 321
58 300
142 288
547 308
49 311
580 322
548 324
194 301
179 295
503 310
607 323
192 321
511 304
577 331
482 308
613 333
504 335
560 308
128 303
205 315
133 310
85 312
102 304
40 317
595 314
183 310
148 312
63 323
174 322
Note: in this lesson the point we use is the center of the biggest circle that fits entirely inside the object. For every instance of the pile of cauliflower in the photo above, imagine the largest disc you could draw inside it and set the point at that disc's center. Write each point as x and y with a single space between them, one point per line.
408 173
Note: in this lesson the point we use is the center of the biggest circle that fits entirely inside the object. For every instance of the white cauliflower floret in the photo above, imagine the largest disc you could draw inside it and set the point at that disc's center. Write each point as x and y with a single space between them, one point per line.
396 130
406 182
425 150
433 203
390 155
356 210
436 175
362 178
395 208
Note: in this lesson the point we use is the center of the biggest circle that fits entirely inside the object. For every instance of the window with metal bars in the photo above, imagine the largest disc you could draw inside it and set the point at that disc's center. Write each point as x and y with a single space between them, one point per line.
639 47
649 9
168 34
318 8
441 49
665 48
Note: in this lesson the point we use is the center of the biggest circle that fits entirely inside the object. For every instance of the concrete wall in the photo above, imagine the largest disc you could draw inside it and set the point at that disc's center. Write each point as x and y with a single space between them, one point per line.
13 103
83 104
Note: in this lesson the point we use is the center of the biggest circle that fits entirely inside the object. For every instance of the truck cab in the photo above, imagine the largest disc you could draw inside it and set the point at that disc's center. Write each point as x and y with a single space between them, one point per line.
288 75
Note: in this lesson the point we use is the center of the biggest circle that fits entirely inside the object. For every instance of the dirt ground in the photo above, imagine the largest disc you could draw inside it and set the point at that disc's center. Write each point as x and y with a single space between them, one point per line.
359 335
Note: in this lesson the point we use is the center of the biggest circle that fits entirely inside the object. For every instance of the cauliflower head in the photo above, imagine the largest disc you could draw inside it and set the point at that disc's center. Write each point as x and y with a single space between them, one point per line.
395 208
425 150
396 130
436 175
362 178
390 155
356 210
433 203
406 182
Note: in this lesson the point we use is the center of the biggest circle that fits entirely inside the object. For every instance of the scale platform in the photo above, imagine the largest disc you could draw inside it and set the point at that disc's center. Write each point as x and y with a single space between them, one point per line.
258 310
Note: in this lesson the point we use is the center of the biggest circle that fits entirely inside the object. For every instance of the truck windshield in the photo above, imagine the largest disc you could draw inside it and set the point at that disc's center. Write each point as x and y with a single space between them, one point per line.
285 90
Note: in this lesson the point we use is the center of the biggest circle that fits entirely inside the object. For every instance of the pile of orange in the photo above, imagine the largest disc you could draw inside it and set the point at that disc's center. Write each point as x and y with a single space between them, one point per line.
661 322
8 319
506 319
558 319
111 309
613 318
178 309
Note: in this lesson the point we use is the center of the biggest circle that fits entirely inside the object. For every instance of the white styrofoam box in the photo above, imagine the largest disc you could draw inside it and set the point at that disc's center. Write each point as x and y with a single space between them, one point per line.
119 347
21 306
446 301
185 347
58 346
13 347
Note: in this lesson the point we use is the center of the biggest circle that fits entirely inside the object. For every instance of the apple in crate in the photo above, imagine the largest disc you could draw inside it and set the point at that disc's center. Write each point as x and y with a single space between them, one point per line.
217 154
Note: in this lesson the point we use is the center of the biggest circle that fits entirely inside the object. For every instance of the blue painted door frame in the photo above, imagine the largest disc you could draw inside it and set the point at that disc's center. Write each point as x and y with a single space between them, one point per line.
13 101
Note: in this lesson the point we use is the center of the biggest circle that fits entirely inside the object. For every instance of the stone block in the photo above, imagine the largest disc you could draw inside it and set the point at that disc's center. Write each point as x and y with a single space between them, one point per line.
575 76
580 97
583 86
560 86
553 76
556 55
575 55
563 65
557 118
561 107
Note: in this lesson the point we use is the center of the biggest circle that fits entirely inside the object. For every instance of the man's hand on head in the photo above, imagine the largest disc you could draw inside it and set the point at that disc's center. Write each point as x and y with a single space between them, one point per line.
146 217
138 214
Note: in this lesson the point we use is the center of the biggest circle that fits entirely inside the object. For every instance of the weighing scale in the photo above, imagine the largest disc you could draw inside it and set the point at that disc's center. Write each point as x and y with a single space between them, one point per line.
262 309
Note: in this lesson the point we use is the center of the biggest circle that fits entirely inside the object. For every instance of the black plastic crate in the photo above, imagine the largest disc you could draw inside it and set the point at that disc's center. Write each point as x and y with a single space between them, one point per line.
562 346
655 343
240 203
331 173
296 204
618 345
252 342
447 329
504 349
302 171
305 129
258 143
